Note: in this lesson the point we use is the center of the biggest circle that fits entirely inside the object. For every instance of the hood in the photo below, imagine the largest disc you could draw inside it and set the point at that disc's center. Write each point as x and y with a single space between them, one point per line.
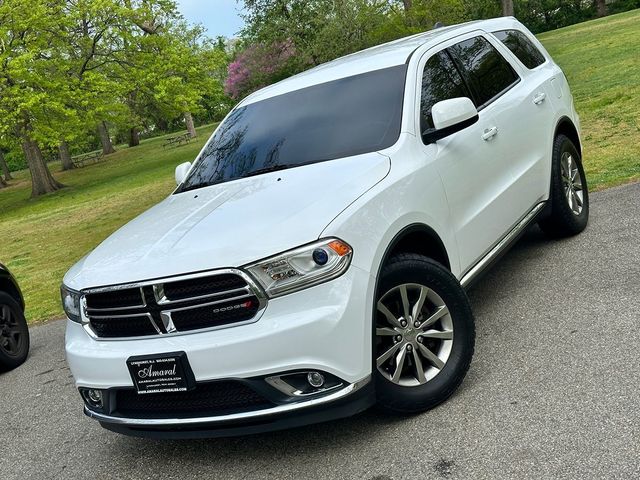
229 224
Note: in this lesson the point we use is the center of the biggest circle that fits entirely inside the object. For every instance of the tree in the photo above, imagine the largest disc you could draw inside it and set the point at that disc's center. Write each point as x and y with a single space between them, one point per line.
601 8
178 66
507 8
5 168
31 81
65 156
105 138
315 30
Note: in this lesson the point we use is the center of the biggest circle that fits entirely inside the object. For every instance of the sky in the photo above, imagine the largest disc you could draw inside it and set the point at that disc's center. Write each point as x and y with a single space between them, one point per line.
220 17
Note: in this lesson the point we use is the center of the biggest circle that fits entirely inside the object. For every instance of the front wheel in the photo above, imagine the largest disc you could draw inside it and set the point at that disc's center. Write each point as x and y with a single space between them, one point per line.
14 334
424 334
569 194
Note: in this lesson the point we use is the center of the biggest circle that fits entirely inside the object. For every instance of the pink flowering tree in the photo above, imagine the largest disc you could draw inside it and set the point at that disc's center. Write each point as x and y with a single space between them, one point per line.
258 66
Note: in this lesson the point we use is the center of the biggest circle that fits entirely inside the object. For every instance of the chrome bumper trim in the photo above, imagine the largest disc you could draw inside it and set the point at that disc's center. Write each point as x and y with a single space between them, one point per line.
280 409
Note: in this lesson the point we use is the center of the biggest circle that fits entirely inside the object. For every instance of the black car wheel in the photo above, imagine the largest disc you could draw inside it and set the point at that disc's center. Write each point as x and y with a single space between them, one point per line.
569 193
14 334
424 334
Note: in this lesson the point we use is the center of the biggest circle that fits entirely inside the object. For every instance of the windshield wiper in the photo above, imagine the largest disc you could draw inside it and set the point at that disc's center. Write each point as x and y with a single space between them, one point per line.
273 168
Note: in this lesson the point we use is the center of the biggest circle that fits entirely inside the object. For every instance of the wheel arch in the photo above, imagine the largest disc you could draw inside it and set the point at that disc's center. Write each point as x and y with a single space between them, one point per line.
417 238
9 287
565 126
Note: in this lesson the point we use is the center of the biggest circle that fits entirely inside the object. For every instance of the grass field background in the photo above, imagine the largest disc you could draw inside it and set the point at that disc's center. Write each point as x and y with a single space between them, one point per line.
40 239
601 60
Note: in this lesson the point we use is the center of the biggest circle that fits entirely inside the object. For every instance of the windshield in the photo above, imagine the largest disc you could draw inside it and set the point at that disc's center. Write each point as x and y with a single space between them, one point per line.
345 117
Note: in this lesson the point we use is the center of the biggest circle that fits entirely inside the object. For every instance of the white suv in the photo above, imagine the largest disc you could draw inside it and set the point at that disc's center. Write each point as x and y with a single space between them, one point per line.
313 260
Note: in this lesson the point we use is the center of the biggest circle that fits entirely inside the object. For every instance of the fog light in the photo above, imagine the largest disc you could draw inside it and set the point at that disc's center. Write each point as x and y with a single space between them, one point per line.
93 397
315 379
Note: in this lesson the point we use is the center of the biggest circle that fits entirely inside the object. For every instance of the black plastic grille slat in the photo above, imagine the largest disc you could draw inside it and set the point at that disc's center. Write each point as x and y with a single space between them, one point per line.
111 327
129 297
213 398
197 287
115 314
215 315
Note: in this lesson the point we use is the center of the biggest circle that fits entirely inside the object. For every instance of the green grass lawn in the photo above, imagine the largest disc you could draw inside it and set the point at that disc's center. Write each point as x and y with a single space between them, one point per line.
40 239
601 60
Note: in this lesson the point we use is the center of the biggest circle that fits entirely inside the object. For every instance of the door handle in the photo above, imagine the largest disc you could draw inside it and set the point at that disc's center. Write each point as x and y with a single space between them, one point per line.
539 98
489 133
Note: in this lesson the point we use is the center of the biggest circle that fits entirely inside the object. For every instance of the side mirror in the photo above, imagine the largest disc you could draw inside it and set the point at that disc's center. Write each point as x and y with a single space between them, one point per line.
181 172
450 116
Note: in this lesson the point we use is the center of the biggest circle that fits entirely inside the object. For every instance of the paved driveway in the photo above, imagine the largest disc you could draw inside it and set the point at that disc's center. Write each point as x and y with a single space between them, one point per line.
553 391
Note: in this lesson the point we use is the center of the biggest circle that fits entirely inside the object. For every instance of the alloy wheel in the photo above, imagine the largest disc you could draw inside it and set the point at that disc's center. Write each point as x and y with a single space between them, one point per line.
414 334
572 183
11 335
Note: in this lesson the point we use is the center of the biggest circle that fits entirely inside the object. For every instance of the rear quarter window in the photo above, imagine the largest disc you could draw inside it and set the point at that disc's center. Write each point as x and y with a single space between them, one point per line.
521 47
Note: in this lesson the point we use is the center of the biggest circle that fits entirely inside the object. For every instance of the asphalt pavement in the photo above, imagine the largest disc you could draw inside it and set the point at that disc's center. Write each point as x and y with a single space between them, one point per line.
553 391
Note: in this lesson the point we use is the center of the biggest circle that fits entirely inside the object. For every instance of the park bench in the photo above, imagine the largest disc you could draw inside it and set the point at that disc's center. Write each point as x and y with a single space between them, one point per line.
177 140
80 161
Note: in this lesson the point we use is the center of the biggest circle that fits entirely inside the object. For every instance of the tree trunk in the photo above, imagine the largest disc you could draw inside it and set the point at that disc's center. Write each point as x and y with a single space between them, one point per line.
188 119
162 125
103 131
41 179
134 137
5 167
2 182
407 5
65 156
507 8
601 8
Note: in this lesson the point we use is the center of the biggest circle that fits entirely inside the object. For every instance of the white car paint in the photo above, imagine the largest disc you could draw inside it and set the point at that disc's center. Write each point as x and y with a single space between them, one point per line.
470 191
453 111
218 226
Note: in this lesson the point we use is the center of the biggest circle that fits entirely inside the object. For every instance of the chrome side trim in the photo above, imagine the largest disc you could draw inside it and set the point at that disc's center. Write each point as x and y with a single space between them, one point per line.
502 244
280 409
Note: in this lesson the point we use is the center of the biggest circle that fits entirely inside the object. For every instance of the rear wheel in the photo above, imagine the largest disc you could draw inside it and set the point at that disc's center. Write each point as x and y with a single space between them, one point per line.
569 194
14 334
424 334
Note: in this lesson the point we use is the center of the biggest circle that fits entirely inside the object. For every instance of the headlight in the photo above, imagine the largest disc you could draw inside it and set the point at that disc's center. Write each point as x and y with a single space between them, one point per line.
71 304
302 267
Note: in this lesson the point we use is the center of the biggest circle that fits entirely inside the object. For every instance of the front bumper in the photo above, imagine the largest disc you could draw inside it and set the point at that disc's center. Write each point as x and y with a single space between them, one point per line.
324 328
345 402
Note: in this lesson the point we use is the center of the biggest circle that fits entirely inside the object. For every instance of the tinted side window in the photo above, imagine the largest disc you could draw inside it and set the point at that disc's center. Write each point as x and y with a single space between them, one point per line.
440 81
487 72
521 47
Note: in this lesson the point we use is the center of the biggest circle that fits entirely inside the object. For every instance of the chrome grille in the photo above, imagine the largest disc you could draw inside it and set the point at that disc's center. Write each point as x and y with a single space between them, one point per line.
174 305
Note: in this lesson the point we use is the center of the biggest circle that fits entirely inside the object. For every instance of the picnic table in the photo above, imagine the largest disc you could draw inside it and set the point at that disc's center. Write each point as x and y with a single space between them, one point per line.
177 140
80 161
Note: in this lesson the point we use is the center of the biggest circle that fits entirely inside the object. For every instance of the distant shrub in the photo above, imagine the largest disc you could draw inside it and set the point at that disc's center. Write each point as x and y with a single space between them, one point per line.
257 66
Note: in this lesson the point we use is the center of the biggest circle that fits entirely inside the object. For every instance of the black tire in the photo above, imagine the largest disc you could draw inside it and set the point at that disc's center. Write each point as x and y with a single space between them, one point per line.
12 323
562 221
410 268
